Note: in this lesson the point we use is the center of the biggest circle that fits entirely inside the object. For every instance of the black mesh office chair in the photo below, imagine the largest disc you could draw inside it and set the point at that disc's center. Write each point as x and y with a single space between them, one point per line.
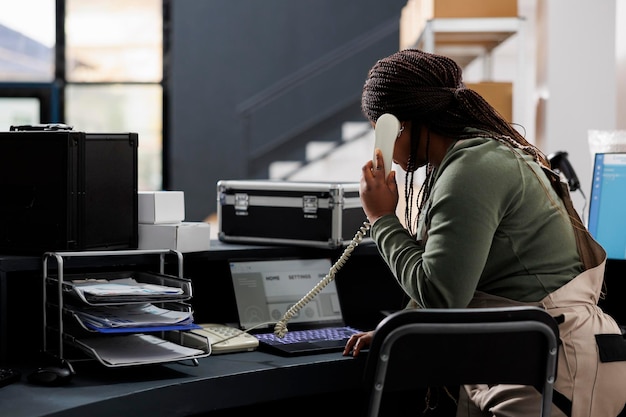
415 349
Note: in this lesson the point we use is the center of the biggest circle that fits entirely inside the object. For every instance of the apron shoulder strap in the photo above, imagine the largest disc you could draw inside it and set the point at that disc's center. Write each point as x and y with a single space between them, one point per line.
590 251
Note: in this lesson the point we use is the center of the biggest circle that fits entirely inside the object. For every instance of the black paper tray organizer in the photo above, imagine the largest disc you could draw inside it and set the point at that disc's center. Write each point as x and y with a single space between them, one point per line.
143 348
111 288
113 319
120 318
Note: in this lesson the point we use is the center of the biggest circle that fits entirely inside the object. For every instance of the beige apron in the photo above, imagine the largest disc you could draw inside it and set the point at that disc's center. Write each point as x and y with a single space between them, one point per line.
590 382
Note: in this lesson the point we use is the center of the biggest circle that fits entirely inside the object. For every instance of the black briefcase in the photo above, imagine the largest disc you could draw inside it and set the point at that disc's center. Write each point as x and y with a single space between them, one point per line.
67 190
317 214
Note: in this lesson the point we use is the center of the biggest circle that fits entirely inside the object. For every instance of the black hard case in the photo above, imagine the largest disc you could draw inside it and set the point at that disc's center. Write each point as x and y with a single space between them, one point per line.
317 214
67 190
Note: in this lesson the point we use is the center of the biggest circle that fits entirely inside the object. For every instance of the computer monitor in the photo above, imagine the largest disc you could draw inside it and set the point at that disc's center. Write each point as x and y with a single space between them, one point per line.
607 209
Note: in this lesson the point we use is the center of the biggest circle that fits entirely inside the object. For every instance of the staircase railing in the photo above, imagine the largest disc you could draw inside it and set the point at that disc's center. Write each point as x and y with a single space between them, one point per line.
322 155
265 128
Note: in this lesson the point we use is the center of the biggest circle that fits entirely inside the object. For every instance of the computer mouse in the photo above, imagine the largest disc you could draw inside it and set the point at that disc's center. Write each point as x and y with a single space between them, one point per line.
51 376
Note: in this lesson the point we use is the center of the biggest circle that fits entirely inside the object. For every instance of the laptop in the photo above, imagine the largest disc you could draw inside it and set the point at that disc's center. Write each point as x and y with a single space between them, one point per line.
607 222
265 289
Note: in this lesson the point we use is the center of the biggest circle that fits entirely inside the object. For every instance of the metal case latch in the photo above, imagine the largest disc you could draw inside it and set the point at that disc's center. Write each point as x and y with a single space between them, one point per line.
241 203
309 206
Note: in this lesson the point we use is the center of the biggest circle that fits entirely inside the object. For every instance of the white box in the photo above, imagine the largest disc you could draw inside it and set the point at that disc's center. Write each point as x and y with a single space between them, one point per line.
156 207
184 237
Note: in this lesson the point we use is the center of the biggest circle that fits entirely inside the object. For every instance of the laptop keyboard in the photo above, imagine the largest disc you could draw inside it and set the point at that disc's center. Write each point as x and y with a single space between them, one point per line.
308 336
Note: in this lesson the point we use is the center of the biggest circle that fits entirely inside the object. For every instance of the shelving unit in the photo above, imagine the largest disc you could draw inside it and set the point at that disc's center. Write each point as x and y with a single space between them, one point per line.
61 290
467 39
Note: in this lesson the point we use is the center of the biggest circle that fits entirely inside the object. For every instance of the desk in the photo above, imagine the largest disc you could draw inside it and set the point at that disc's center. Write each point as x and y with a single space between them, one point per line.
365 282
220 385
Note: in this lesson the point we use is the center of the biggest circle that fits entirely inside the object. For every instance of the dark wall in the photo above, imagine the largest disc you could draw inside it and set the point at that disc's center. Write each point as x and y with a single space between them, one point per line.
251 80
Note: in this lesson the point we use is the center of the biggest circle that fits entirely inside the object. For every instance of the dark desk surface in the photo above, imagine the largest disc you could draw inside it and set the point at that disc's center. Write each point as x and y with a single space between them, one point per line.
218 384
364 280
222 384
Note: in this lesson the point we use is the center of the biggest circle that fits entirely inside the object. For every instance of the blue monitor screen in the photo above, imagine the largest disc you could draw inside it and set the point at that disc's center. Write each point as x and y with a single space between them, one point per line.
607 210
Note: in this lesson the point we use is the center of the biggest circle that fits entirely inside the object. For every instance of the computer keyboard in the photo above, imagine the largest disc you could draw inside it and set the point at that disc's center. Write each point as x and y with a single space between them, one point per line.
310 335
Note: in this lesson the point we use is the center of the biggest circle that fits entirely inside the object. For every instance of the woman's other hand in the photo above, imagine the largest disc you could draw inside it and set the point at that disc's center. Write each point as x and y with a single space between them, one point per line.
357 342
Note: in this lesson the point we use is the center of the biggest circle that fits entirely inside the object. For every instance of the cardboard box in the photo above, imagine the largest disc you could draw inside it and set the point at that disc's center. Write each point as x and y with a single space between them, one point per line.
184 237
498 94
469 8
411 23
415 13
157 207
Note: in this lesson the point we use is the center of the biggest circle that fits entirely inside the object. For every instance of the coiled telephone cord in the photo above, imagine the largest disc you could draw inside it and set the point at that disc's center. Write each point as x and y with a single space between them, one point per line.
280 328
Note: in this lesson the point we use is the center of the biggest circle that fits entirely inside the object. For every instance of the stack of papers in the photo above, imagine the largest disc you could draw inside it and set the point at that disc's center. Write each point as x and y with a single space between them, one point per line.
131 317
137 349
123 290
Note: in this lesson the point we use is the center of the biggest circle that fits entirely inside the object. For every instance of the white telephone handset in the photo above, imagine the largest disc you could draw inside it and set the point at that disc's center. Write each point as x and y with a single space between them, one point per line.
386 132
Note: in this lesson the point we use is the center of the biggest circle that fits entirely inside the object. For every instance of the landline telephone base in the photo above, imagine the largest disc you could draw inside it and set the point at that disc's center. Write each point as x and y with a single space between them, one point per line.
226 339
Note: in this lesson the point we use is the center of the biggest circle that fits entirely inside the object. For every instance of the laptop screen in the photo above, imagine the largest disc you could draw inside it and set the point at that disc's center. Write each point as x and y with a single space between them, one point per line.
265 290
607 222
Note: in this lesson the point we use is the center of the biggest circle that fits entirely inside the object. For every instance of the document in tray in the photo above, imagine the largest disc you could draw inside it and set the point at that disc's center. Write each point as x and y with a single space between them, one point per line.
137 349
131 315
122 290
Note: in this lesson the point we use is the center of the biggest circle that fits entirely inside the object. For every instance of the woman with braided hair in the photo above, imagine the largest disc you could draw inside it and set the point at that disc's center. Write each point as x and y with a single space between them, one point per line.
494 226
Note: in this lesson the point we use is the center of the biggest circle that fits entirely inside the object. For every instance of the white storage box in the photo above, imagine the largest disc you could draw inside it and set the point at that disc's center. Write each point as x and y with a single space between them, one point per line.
156 207
184 237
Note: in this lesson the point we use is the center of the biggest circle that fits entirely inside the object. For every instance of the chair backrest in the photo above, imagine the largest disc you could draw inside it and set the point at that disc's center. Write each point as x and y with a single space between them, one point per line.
420 348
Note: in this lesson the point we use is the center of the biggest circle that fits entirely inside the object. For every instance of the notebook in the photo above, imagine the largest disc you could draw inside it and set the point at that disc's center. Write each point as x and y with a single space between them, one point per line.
265 289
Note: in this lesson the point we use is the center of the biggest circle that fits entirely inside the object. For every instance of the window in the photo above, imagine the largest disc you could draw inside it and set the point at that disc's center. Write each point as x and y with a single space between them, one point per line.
27 38
27 45
113 41
113 70
122 108
18 111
